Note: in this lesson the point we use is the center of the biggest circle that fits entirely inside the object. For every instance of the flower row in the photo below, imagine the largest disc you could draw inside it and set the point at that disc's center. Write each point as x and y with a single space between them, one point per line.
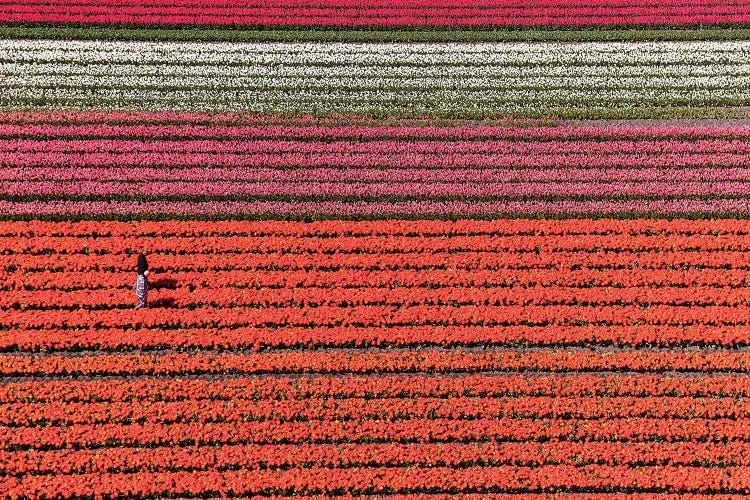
205 412
494 318
449 79
113 190
101 175
341 362
635 429
388 480
381 13
444 147
294 387
457 455
571 298
417 209
243 126
161 330
426 231
396 161
45 264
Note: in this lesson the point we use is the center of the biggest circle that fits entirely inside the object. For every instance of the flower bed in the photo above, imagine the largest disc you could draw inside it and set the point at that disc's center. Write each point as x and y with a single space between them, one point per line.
383 13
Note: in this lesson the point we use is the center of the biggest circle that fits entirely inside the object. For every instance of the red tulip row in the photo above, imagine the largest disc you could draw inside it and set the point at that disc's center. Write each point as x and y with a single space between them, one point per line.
422 230
288 388
373 362
140 335
457 455
636 429
365 411
308 283
300 300
377 316
465 259
387 480
384 243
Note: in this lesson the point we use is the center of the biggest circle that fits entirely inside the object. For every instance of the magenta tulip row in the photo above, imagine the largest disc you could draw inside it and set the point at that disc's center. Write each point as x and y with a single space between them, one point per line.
381 13
164 125
396 160
378 189
60 163
375 209
444 147
383 3
261 174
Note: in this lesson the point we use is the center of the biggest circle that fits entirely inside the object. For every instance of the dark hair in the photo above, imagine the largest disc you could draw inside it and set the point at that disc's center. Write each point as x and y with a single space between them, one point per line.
142 264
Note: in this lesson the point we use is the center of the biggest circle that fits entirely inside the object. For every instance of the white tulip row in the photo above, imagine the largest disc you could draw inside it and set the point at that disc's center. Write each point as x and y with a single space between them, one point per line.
446 77
369 71
612 53
704 85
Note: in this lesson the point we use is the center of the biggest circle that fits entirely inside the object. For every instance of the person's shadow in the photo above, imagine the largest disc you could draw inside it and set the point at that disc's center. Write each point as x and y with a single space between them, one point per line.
164 284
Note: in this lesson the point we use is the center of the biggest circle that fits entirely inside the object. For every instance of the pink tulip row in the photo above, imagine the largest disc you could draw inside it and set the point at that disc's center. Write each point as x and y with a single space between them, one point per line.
379 189
237 126
384 3
391 14
374 209
251 174
376 147
425 160
302 132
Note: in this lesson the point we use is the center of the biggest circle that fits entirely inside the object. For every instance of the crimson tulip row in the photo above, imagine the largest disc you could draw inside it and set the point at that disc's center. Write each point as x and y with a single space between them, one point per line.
286 388
156 333
365 411
456 455
374 362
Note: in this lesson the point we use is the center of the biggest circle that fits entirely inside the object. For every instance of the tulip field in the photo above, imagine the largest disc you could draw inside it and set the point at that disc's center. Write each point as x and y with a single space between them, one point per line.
481 249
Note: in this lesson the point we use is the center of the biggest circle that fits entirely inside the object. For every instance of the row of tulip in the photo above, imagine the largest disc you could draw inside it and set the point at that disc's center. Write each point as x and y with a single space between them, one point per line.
738 206
547 14
444 146
71 124
395 160
428 430
205 412
379 481
373 362
294 387
190 295
160 333
379 317
118 175
315 169
448 79
388 190
551 234
457 455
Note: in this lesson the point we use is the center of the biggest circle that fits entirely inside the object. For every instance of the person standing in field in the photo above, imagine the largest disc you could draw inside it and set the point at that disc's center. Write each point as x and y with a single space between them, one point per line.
141 281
